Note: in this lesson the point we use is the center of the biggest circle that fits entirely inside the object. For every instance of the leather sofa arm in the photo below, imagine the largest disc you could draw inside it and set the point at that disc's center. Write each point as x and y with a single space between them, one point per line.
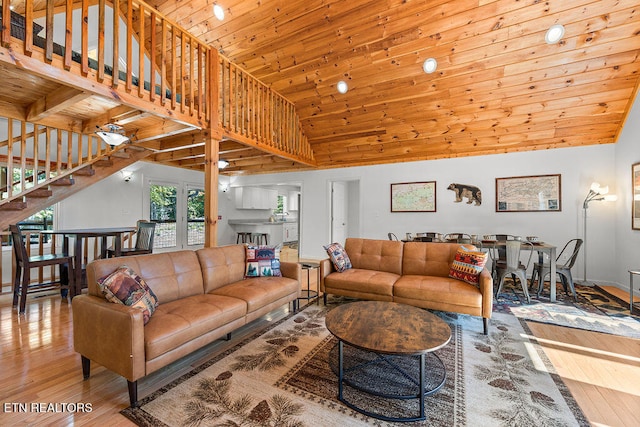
326 268
486 289
109 334
292 270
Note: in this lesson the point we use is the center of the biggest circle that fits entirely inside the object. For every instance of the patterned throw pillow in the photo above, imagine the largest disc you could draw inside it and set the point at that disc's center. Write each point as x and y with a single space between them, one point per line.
467 265
124 286
338 256
263 261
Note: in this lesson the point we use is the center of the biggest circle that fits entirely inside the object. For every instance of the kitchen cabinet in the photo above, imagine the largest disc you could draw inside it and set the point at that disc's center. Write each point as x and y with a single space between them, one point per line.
290 232
292 200
256 198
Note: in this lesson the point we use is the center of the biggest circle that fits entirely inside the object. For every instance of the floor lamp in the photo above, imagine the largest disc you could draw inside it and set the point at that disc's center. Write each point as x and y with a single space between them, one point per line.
596 193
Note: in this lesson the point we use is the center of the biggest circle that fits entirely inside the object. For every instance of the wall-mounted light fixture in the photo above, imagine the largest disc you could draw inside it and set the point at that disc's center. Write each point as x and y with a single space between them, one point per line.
126 175
112 134
222 164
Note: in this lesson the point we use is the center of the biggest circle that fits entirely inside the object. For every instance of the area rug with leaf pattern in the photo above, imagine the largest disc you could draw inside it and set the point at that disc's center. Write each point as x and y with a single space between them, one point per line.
282 377
594 309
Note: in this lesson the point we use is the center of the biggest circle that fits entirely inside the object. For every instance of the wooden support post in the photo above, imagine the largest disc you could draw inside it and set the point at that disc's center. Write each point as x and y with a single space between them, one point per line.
211 152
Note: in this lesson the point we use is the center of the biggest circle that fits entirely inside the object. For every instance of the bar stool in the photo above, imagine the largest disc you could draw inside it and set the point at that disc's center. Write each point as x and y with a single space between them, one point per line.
259 238
243 237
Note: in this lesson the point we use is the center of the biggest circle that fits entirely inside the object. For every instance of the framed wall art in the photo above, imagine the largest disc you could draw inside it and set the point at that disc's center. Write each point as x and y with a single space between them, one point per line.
538 193
413 197
635 194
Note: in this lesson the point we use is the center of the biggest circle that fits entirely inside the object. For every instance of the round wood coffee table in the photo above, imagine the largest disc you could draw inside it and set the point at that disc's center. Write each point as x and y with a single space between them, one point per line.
388 353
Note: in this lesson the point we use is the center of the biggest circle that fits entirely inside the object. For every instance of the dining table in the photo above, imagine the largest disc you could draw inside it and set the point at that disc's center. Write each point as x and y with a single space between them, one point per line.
78 235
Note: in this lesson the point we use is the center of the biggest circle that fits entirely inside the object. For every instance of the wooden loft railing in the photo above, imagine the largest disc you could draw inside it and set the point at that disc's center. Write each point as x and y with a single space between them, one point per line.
173 72
34 156
251 112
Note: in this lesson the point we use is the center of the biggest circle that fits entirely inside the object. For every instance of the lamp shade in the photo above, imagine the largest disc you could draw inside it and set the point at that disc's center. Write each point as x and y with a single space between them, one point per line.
112 138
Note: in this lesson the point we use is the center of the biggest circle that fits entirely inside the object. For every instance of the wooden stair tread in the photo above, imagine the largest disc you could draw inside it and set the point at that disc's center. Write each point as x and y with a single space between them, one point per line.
14 205
41 192
63 181
86 171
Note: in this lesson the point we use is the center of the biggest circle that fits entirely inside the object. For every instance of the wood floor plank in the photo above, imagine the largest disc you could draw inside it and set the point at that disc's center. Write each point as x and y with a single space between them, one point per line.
39 365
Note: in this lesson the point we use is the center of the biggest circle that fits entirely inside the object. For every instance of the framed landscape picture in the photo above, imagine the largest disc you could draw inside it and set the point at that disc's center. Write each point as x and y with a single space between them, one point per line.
635 189
413 197
539 193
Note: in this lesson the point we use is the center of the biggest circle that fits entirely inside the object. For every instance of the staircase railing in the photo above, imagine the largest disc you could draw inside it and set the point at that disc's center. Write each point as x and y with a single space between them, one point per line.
34 156
250 111
152 57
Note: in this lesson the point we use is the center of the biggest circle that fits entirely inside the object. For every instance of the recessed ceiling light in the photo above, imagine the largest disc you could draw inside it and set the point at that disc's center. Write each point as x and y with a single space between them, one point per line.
218 11
342 86
554 34
429 65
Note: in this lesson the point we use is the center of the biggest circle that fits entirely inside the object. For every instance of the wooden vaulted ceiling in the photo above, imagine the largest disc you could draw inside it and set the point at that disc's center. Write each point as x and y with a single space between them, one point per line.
498 86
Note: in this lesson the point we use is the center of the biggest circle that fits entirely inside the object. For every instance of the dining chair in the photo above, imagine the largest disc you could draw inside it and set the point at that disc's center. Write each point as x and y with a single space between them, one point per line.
513 267
540 271
24 264
457 237
144 241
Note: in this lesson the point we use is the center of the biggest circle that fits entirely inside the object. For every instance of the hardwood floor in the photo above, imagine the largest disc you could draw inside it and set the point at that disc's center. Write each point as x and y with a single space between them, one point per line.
39 366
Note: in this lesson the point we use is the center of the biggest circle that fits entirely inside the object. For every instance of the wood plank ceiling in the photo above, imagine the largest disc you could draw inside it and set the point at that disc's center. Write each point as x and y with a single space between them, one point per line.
498 86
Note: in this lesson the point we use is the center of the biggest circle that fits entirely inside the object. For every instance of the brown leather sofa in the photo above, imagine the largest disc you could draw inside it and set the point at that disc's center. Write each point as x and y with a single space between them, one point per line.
414 273
202 297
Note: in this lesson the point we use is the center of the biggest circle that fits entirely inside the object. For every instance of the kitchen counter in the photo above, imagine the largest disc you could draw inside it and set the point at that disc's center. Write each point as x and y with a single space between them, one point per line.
279 231
258 222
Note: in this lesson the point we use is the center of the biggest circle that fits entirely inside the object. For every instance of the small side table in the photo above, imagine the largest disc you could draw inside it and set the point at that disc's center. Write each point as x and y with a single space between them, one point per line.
309 266
631 274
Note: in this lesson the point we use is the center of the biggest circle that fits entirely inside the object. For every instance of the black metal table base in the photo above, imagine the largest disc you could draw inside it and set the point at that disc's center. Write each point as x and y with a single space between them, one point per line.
388 377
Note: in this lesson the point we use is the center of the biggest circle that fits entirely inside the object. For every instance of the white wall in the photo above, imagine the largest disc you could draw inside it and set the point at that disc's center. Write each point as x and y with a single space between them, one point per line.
578 167
113 202
627 255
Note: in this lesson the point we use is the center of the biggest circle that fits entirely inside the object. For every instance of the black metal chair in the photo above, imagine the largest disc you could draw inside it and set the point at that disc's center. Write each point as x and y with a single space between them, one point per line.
392 236
564 270
144 241
24 264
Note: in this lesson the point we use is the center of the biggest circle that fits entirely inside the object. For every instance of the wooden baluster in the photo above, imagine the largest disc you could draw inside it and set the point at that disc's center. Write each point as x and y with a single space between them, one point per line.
28 24
68 36
129 81
191 81
152 58
115 63
6 23
163 62
101 19
47 156
141 42
84 50
174 86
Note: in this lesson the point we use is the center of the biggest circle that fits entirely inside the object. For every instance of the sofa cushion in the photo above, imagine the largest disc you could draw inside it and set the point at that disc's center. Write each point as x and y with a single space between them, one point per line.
171 275
181 321
262 261
258 292
467 265
338 256
361 280
124 286
222 265
370 254
439 293
429 258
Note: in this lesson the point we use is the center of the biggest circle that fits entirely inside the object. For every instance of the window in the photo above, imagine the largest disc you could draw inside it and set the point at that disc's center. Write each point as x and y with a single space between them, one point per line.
163 208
